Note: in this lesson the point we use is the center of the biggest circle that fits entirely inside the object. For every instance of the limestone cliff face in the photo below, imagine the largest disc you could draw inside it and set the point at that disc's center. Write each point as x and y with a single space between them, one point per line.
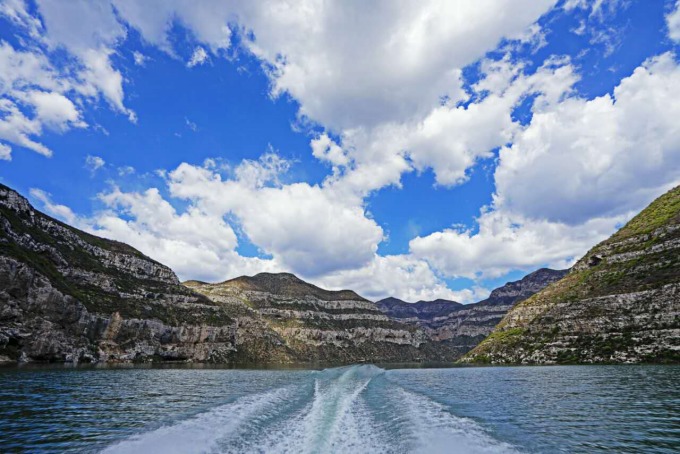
321 325
460 326
66 295
620 302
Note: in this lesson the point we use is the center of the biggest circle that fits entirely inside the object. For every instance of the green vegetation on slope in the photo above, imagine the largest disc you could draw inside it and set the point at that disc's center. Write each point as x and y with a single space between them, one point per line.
620 303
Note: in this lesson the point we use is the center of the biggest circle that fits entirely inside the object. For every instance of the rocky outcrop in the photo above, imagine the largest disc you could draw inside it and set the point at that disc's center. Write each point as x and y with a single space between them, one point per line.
66 295
321 325
462 327
620 302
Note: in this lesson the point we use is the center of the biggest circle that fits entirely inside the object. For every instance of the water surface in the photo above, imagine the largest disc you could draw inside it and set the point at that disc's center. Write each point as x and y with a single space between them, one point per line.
351 409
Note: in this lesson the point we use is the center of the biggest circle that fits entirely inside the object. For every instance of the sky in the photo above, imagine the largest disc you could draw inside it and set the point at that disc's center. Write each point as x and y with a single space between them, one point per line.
418 149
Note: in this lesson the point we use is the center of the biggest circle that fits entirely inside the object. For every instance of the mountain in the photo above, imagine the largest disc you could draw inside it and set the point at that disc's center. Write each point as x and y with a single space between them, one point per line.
462 327
283 284
516 291
325 326
421 310
620 302
66 295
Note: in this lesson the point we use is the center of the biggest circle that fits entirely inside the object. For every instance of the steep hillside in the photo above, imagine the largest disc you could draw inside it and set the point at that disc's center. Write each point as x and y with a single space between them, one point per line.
322 325
462 327
620 302
69 295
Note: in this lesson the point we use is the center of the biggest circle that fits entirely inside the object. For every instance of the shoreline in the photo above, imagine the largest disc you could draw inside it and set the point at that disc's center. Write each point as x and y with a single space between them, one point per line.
35 365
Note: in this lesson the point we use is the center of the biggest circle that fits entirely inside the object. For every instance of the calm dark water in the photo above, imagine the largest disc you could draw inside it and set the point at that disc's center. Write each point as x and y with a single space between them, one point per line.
352 409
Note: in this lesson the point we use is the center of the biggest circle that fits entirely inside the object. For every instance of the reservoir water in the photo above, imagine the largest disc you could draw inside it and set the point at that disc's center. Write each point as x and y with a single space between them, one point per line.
350 409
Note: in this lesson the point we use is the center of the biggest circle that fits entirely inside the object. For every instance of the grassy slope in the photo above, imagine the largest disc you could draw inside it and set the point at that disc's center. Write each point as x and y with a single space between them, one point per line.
525 325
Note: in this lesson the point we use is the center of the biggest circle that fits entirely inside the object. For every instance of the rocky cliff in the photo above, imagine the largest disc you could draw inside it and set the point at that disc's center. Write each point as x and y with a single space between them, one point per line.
322 325
620 302
462 327
66 295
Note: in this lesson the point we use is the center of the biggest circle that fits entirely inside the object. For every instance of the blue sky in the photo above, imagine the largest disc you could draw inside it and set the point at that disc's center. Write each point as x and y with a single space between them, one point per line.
413 149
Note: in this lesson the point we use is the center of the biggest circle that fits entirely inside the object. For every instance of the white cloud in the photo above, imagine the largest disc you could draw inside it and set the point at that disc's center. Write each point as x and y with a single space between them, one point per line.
5 152
196 244
55 110
308 228
61 212
673 21
208 20
17 12
35 94
451 138
575 173
199 57
16 128
191 125
600 157
125 170
504 243
390 63
325 149
94 163
401 276
140 58
21 72
90 31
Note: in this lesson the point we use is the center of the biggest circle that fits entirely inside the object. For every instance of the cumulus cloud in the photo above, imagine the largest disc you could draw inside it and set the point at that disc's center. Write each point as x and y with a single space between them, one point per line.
17 128
139 58
599 157
673 21
307 228
55 110
61 212
504 243
402 276
5 152
94 163
326 149
393 63
597 162
90 31
199 57
40 90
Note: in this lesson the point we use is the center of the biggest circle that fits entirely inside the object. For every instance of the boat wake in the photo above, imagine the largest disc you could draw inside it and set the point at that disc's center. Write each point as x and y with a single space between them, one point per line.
349 409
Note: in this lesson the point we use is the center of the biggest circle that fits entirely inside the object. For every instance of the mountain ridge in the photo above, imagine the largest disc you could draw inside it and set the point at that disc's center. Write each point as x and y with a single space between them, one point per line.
465 325
67 295
620 302
285 284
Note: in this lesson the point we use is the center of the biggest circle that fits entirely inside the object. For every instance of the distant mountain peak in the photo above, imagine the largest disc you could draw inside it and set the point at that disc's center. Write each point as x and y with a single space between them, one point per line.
289 285
421 309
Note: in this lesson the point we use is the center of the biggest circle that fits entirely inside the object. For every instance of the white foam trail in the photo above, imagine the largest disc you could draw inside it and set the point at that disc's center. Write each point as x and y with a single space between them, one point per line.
335 421
201 433
435 430
344 410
